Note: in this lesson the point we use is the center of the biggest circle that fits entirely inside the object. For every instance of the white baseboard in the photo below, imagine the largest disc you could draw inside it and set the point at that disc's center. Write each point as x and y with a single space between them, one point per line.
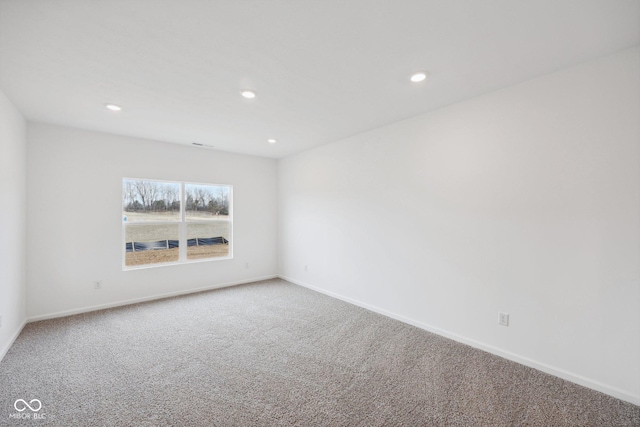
6 348
144 299
561 373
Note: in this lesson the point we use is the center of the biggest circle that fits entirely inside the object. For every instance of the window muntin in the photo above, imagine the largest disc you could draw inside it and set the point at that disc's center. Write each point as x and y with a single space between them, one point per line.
175 222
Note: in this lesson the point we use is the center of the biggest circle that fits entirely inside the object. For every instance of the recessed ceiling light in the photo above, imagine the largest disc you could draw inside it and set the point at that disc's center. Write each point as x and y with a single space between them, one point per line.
419 76
247 93
113 107
272 141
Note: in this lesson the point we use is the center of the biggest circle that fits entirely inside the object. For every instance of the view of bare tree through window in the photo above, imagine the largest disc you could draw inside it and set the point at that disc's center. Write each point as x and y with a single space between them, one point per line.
207 214
157 225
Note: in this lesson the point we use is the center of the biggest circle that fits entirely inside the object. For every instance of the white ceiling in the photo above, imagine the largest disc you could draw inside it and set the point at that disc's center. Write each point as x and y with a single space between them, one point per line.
323 69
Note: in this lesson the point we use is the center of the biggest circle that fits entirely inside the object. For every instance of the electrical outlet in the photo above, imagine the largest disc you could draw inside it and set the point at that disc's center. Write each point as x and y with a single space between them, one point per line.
246 265
306 267
97 284
503 319
0 321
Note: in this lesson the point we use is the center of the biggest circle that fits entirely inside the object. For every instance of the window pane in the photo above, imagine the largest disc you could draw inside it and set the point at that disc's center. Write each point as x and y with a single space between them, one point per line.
208 240
151 244
150 201
206 202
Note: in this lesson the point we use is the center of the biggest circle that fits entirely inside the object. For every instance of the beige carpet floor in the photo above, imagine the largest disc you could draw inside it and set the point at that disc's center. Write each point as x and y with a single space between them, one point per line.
275 354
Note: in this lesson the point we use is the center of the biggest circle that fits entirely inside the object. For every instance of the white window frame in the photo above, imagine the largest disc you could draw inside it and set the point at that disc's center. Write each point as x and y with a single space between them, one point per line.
182 226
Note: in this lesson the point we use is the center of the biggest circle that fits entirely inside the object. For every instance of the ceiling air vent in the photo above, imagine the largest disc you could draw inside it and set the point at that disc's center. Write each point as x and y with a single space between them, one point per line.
197 144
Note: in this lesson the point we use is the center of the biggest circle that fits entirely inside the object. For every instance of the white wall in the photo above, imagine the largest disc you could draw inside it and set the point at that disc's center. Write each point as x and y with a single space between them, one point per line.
13 185
72 246
525 200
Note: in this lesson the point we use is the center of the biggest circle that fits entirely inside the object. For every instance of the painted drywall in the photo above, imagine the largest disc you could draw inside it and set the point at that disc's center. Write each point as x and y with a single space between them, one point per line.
74 218
13 237
525 200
